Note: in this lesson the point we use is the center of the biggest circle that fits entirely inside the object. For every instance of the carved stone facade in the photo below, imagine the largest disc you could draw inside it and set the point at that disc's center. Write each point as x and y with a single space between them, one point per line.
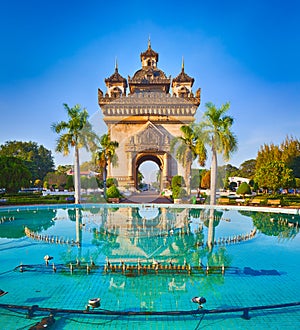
146 120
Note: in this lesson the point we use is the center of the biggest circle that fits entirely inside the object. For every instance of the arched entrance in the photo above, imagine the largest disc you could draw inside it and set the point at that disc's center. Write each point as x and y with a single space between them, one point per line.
143 157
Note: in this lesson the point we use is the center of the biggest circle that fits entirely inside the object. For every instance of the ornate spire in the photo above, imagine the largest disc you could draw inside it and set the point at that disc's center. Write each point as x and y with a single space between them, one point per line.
116 65
116 77
149 54
183 77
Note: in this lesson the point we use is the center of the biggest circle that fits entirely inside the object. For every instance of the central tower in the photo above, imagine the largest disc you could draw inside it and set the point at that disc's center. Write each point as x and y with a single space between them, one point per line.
148 118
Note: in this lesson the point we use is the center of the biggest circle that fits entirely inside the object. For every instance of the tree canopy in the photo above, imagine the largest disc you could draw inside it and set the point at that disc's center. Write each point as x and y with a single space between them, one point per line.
37 159
75 133
106 155
274 175
188 148
247 169
288 152
215 132
14 174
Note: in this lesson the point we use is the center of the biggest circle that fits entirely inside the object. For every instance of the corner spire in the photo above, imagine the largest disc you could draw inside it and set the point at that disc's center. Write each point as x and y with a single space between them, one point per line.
116 64
182 64
149 42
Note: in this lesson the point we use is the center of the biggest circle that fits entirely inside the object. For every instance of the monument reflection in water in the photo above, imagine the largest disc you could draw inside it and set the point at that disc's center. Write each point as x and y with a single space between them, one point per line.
147 258
167 236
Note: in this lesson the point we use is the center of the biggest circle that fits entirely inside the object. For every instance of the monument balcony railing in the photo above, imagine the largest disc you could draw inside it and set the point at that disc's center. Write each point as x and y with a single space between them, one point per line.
153 111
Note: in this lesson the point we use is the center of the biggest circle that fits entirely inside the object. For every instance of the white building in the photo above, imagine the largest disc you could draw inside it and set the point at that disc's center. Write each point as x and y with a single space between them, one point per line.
238 180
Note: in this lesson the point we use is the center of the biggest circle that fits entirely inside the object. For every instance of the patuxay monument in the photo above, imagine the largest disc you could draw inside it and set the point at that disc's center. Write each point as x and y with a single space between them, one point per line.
144 113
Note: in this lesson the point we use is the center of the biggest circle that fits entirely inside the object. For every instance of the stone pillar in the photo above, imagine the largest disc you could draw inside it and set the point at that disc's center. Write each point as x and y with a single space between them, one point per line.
165 171
108 169
129 165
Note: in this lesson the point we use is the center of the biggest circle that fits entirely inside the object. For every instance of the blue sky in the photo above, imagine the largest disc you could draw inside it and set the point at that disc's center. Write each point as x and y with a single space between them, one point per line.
245 52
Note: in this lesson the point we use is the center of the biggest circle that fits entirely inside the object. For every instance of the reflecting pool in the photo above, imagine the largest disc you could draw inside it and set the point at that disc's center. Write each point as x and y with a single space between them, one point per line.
146 263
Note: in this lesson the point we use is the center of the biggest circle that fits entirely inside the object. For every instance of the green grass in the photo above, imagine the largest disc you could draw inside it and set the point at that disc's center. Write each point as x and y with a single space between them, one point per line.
29 198
37 198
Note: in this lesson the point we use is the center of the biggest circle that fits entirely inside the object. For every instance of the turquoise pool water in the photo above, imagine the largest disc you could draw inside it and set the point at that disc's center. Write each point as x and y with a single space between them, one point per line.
129 257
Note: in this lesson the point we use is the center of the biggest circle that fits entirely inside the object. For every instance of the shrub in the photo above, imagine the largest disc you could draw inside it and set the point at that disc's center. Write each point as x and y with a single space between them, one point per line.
178 181
113 192
178 192
243 189
110 182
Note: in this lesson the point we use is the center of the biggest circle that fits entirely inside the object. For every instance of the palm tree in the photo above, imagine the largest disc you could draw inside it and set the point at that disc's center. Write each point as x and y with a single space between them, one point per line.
106 155
76 133
215 131
189 147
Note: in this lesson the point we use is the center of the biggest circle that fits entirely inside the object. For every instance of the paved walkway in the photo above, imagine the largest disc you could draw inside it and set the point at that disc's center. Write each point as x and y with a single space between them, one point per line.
146 197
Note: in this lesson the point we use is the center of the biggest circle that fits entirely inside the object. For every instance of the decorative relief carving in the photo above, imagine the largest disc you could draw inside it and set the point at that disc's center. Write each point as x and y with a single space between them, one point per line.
151 138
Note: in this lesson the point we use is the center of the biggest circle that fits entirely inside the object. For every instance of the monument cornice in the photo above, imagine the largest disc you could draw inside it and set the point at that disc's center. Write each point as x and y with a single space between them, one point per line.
149 103
143 119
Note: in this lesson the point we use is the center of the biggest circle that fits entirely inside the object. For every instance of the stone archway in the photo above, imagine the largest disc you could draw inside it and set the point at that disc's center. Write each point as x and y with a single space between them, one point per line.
143 157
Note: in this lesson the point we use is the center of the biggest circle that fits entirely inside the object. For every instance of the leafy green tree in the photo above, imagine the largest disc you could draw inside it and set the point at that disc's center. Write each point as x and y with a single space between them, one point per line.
76 133
37 158
288 152
224 172
291 154
14 174
215 131
274 175
243 189
90 166
188 148
56 179
268 154
247 169
64 168
105 156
